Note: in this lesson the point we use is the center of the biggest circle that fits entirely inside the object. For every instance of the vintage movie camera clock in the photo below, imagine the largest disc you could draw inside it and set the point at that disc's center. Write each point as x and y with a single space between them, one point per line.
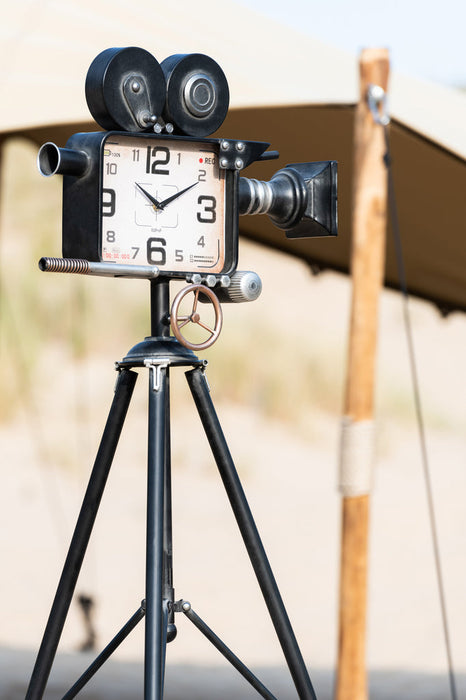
157 196
154 195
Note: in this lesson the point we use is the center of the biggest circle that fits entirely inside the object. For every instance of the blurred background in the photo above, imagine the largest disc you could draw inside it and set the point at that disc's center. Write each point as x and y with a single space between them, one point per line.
277 372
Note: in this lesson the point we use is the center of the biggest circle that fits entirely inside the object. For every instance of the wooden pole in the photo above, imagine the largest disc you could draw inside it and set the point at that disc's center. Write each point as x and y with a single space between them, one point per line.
367 266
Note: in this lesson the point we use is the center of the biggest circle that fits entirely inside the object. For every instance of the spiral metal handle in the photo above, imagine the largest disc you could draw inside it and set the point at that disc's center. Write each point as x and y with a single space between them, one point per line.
101 269
64 265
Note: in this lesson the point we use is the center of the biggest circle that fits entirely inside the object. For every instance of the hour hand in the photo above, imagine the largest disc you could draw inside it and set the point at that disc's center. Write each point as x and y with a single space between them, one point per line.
158 206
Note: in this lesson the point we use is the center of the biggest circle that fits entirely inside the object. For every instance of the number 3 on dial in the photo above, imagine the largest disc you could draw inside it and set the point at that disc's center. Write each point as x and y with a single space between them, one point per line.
208 214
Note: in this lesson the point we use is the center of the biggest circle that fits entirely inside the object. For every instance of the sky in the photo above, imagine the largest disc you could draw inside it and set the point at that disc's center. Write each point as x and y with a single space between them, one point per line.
426 39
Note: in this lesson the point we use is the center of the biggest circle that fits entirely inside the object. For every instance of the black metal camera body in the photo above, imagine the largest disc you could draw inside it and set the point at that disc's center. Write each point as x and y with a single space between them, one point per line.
154 191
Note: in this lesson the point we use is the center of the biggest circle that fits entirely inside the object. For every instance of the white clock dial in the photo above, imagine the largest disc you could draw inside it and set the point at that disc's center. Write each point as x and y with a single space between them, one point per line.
163 203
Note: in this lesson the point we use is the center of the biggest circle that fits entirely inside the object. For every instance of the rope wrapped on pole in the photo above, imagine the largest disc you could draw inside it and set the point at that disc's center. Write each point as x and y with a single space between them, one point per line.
356 456
367 269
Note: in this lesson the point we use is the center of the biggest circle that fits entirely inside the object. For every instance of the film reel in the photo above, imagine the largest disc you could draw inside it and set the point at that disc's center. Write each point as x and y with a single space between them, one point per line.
125 89
197 96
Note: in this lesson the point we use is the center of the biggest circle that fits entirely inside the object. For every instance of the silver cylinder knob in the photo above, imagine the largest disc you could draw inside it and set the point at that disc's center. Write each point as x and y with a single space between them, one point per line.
244 286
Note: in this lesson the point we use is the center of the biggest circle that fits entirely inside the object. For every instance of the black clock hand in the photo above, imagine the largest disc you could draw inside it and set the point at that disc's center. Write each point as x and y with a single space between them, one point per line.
164 202
158 206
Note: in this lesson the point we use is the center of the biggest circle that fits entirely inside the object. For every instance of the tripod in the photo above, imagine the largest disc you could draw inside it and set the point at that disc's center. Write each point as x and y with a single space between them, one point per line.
159 353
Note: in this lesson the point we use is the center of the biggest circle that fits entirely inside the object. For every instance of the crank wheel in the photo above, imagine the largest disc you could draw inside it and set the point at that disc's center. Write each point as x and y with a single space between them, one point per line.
178 322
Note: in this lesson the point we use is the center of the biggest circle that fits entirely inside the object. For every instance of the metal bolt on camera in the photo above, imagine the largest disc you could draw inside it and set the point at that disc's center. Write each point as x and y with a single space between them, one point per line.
153 196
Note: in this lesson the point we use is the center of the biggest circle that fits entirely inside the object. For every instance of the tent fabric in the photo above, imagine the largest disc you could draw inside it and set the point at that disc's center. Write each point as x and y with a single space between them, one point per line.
286 88
47 47
430 186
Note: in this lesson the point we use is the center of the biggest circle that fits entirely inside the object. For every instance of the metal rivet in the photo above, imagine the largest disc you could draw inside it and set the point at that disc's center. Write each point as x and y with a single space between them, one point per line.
224 162
135 87
148 118
238 164
240 146
224 145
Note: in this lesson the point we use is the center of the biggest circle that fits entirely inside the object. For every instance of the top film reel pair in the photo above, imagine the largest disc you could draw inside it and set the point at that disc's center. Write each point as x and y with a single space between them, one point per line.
127 89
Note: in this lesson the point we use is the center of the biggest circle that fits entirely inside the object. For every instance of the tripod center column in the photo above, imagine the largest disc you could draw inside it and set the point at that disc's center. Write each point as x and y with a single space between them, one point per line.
159 308
156 615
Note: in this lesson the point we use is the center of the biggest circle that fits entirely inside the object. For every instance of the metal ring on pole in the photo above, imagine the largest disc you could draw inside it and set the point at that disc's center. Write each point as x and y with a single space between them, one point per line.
377 102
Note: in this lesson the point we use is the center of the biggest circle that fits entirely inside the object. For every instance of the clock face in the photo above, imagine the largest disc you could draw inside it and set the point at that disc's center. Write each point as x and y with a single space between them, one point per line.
164 204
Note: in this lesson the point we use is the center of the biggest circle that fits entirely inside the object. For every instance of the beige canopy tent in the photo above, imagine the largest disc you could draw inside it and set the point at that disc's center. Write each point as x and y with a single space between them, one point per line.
285 88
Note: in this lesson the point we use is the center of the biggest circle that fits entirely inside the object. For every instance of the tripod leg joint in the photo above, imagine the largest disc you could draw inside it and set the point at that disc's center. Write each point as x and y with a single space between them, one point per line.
181 606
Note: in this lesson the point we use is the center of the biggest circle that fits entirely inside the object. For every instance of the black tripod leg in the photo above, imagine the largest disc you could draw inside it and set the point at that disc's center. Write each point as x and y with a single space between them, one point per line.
81 535
156 613
200 391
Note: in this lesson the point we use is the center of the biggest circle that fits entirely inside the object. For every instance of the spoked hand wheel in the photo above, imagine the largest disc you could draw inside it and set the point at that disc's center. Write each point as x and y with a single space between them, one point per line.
178 322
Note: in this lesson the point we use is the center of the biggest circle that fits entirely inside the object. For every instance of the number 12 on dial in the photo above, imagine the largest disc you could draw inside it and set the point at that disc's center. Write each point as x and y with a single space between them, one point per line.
166 202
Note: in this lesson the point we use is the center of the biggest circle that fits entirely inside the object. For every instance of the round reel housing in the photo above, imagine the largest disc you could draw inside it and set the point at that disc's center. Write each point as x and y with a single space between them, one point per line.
125 88
198 96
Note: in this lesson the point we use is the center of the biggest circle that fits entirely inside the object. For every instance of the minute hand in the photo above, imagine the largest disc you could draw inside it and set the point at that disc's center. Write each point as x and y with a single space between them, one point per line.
166 201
